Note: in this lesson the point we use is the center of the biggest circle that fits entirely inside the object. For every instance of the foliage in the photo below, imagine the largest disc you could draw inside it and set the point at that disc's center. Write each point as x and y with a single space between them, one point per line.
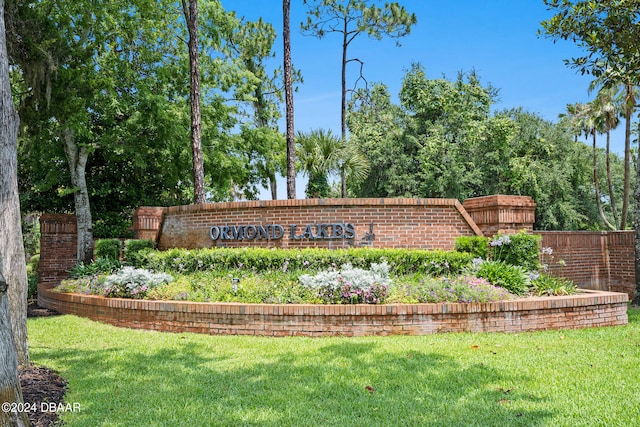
443 141
98 266
545 285
350 285
112 225
132 249
275 287
31 234
32 276
400 261
520 249
130 282
351 19
118 79
513 278
478 246
32 283
464 289
108 249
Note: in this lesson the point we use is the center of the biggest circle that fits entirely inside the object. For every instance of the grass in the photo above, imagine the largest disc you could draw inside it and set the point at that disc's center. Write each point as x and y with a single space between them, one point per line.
124 377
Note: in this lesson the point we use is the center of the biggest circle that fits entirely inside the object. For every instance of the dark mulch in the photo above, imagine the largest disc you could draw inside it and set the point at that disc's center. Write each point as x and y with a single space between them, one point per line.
34 310
41 384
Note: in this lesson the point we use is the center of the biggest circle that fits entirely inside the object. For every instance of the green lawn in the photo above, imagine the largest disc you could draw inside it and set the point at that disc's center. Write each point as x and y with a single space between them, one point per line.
124 377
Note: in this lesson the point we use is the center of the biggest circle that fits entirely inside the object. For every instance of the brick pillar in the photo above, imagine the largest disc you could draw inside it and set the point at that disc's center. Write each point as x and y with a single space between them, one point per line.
147 221
499 213
58 248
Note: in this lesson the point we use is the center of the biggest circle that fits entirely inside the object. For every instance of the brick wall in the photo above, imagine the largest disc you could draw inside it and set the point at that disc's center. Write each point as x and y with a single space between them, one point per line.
58 247
396 223
577 311
594 260
500 213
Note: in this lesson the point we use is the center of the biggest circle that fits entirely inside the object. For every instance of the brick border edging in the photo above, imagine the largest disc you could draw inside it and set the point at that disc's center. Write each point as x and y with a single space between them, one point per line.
588 309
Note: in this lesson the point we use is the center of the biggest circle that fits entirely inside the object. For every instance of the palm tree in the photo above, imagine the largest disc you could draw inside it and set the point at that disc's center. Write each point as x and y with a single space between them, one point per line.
321 154
623 86
316 152
585 120
607 109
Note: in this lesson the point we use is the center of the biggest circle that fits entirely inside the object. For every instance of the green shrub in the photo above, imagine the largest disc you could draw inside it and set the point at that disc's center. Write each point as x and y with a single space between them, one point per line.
478 246
98 266
458 289
34 264
513 278
32 283
548 285
113 224
108 248
134 250
400 261
519 249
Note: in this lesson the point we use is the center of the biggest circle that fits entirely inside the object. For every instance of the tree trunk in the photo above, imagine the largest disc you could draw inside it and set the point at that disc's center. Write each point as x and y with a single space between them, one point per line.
274 186
10 391
343 106
191 16
636 197
596 186
288 90
77 157
12 234
629 107
12 261
612 196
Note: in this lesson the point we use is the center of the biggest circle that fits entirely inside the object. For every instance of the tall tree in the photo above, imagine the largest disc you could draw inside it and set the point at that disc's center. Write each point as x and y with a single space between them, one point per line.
191 16
590 120
288 88
12 242
253 43
609 31
349 19
12 261
607 110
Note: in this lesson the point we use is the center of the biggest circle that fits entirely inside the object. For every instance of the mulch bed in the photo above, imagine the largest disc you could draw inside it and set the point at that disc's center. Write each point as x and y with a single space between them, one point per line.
41 384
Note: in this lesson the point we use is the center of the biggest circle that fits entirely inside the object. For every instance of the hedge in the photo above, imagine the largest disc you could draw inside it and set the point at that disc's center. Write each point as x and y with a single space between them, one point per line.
401 261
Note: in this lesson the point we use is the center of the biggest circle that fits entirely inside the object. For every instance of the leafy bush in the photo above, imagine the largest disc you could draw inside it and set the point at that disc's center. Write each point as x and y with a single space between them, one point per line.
545 284
98 266
513 278
90 285
520 249
108 248
32 283
478 246
350 285
400 261
458 289
134 248
113 224
34 264
130 282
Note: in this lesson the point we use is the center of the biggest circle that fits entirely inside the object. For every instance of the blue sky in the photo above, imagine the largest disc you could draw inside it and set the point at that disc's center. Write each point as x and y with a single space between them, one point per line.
497 38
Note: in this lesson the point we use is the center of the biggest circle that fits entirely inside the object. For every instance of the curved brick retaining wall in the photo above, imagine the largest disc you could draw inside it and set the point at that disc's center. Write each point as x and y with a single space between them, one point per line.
588 309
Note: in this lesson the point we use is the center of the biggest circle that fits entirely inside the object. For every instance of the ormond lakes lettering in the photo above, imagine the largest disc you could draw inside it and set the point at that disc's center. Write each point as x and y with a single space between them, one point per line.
323 231
276 231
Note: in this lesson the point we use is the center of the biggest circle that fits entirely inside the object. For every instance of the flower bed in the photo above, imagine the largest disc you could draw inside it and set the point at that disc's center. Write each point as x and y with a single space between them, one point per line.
586 309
